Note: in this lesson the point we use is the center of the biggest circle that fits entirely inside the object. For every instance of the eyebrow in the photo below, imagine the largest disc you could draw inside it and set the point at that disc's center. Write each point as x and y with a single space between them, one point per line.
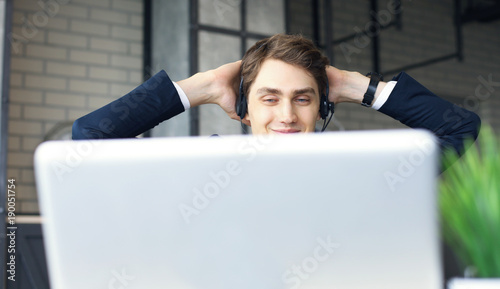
270 90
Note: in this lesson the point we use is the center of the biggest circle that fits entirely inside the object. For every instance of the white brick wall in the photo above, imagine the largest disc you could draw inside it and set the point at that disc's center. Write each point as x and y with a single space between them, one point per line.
67 60
90 28
44 52
65 69
114 17
97 44
88 57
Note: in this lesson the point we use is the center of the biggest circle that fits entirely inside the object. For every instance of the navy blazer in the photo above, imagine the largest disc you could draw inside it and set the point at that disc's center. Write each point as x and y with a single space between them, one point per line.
156 100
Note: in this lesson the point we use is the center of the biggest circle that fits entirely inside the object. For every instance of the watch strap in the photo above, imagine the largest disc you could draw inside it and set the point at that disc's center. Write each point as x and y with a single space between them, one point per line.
372 88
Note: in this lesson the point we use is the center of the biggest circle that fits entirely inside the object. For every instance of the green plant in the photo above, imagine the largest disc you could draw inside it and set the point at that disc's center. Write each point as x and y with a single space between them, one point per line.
469 202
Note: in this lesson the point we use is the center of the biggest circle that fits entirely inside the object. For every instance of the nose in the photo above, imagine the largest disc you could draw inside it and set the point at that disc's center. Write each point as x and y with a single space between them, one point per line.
288 114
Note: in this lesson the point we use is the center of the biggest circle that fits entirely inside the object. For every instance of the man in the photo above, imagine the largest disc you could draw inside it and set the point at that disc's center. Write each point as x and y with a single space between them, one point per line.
283 78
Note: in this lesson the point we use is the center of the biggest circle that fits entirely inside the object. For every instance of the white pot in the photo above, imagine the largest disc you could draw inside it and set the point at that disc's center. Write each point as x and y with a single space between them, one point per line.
474 283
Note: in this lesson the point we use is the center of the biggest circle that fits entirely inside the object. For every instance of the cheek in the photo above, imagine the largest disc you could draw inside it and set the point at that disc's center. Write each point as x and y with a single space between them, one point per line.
258 113
311 113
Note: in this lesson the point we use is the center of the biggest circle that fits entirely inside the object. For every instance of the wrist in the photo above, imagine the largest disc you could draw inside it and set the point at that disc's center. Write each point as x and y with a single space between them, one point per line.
369 96
197 88
357 85
354 86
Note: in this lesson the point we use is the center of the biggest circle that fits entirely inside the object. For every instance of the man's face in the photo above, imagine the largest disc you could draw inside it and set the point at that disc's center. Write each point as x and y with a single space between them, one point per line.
283 99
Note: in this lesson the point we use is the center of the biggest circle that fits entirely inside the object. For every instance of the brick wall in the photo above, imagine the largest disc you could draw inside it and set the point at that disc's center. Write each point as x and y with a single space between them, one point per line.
69 57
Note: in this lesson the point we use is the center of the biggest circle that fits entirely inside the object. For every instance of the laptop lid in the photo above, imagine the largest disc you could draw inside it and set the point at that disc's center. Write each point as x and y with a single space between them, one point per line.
331 210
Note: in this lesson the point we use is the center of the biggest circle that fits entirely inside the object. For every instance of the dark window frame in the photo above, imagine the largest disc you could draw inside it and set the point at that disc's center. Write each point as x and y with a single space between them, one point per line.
195 27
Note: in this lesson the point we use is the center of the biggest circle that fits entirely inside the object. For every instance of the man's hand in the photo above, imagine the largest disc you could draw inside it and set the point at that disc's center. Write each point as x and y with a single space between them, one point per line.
219 86
348 86
226 81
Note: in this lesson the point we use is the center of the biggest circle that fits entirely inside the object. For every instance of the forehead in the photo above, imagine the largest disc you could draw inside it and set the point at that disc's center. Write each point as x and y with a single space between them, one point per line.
281 75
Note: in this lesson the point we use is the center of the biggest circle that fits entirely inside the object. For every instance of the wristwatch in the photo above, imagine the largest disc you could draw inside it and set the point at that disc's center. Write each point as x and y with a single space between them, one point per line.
375 78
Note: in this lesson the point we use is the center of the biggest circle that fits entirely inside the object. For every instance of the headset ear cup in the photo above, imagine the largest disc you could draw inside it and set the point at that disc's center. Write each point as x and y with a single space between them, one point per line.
324 107
241 103
243 107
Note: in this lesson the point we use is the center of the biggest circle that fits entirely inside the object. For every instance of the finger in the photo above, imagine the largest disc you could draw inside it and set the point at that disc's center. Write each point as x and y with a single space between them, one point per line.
234 67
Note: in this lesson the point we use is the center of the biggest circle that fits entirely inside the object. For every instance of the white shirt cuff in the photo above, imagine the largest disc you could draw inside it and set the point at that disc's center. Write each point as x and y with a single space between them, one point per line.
384 95
182 96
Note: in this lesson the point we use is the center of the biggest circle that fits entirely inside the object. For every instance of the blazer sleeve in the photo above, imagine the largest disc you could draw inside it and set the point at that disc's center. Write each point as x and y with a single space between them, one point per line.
417 107
141 109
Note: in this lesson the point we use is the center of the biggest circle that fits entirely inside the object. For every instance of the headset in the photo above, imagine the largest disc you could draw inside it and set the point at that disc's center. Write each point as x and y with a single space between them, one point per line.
325 107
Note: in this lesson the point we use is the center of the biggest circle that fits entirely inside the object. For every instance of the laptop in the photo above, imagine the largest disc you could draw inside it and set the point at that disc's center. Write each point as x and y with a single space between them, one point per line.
327 210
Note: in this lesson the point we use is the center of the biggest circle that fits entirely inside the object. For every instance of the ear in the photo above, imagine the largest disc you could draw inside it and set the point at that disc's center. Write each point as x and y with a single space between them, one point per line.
246 120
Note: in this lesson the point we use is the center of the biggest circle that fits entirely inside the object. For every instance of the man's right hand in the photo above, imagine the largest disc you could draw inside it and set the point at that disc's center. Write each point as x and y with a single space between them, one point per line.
219 86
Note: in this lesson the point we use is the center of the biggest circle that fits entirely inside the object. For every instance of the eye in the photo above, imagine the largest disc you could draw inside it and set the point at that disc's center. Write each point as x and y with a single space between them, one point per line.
270 99
303 100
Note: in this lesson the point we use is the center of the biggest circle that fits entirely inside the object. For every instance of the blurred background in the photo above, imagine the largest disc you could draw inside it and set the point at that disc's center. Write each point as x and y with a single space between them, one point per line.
65 58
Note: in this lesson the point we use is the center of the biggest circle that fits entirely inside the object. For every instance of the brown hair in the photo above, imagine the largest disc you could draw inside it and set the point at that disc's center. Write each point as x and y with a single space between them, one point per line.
292 49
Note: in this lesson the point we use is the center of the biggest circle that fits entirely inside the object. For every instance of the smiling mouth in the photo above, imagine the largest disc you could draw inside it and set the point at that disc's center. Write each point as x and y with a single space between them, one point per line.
286 131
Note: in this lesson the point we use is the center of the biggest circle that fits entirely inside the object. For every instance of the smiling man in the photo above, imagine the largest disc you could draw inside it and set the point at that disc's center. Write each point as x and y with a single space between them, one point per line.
282 78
